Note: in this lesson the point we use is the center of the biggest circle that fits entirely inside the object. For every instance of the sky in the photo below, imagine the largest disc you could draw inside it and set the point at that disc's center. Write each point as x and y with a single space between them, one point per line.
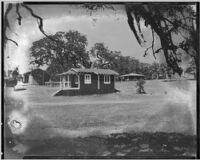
109 27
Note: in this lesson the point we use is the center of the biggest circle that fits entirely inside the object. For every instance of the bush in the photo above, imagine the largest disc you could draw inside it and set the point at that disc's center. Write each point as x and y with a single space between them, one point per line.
140 86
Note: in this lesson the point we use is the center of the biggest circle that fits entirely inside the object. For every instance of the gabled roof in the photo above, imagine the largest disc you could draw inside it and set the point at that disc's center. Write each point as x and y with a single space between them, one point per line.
132 74
95 71
68 72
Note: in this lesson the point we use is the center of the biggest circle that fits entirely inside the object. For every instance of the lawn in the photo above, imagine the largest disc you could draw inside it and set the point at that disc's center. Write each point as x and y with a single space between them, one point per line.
168 107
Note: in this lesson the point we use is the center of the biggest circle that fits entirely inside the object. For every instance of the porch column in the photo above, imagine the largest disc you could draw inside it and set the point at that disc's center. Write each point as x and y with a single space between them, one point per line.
98 82
64 81
67 81
114 79
78 81
60 83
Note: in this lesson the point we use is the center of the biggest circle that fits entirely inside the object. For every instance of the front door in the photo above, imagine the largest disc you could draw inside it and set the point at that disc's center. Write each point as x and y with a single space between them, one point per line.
74 81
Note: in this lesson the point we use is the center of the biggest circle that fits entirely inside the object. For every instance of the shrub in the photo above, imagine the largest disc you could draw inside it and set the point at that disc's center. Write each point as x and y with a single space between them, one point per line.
140 86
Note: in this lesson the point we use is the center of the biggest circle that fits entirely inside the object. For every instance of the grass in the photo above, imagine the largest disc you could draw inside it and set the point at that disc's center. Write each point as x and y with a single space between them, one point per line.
164 108
168 107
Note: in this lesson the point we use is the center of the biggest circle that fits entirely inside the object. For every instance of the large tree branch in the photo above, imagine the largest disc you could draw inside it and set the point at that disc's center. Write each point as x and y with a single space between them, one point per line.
40 21
7 25
152 45
177 24
8 39
18 13
166 41
131 24
6 22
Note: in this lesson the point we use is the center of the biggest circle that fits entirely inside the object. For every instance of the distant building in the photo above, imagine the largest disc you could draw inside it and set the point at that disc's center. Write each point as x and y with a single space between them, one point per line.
131 77
31 80
28 78
189 75
10 73
78 81
36 77
11 82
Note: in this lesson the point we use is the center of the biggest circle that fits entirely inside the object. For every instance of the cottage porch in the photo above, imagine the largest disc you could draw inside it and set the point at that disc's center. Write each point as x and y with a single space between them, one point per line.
70 82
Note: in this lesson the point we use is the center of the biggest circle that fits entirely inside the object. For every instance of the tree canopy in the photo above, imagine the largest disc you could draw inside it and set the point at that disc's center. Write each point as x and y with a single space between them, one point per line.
105 58
44 52
69 50
165 20
15 73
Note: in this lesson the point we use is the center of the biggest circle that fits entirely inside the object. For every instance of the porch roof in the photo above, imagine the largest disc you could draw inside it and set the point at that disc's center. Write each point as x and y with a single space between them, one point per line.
96 71
66 73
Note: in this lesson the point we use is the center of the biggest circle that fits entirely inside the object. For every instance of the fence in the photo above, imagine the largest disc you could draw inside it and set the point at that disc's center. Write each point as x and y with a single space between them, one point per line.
52 84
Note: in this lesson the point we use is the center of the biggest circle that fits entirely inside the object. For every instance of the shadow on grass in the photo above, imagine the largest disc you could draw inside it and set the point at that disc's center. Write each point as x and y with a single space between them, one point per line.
41 144
38 142
124 145
20 89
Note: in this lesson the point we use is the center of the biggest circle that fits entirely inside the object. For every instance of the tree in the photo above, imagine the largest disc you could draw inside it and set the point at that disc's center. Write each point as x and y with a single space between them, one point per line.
16 7
104 57
165 71
165 20
40 76
144 68
53 70
154 70
191 68
15 73
128 64
69 50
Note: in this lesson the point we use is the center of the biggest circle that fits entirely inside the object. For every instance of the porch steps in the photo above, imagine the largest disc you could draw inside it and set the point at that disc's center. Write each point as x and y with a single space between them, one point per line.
57 92
67 92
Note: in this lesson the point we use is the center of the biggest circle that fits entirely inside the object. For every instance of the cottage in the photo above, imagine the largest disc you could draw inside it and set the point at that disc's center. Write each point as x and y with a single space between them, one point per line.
78 81
131 76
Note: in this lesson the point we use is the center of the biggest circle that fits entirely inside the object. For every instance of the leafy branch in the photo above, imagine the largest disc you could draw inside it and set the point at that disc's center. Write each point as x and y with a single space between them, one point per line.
19 19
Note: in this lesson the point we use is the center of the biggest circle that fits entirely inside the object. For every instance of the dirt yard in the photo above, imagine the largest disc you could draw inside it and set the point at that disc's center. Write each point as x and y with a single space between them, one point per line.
95 122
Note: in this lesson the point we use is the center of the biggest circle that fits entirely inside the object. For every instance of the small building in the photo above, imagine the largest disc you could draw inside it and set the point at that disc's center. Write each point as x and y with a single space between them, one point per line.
19 78
6 81
36 77
11 81
131 77
28 78
78 81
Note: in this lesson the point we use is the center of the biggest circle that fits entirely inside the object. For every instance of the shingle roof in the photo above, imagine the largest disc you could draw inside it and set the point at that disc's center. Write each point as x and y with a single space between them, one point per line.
132 74
68 72
96 71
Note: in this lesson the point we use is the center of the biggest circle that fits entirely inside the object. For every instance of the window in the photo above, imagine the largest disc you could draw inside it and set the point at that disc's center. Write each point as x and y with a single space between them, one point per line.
76 79
87 78
106 79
